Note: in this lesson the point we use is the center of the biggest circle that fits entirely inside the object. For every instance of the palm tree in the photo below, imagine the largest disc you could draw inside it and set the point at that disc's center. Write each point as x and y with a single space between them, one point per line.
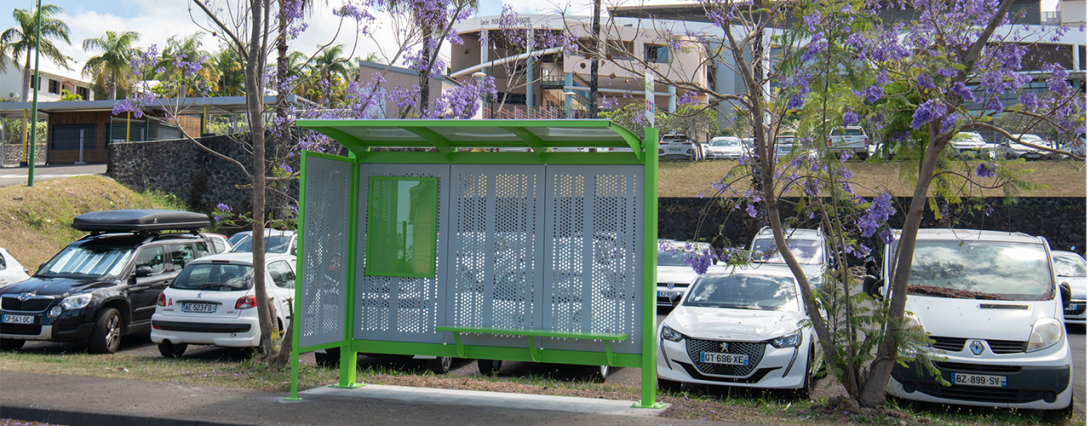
189 49
19 40
230 80
329 66
117 51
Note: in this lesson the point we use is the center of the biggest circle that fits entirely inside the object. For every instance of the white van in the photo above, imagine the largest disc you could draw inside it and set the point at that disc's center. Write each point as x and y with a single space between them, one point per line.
992 308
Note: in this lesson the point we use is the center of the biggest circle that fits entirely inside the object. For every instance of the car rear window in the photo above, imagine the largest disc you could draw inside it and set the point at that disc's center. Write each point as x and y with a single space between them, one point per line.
215 277
848 132
273 244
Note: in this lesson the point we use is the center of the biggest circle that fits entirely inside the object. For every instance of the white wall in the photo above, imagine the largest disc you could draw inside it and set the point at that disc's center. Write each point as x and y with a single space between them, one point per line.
1072 12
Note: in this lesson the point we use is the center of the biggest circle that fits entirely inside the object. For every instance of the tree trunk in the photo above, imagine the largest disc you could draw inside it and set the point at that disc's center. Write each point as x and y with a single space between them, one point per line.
113 86
254 109
874 390
281 132
595 28
425 76
28 74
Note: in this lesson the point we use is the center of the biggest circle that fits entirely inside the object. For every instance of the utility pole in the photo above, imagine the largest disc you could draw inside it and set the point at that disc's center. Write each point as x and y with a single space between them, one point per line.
37 83
594 56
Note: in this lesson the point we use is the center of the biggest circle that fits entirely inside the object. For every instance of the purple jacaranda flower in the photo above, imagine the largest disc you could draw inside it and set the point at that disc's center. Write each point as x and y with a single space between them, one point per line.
850 118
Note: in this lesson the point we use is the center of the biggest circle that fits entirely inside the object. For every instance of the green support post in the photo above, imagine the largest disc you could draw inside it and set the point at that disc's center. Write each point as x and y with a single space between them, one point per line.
294 396
650 265
348 352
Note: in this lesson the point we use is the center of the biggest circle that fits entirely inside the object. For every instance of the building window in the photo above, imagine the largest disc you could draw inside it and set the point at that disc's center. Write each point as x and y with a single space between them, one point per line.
83 93
54 87
656 53
620 50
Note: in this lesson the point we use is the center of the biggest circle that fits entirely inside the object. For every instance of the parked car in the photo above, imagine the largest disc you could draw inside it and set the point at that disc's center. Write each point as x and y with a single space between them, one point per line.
212 302
276 241
725 147
809 246
219 242
740 328
1075 146
849 138
1071 269
11 271
104 286
1014 150
238 236
968 143
678 146
674 276
993 311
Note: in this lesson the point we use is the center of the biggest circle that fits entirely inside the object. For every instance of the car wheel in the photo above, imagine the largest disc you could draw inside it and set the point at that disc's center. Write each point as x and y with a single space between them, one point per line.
489 367
170 350
440 365
599 373
669 386
106 334
328 358
11 344
808 384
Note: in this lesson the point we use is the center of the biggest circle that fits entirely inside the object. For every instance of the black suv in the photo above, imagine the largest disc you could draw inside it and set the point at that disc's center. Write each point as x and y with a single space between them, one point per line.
103 286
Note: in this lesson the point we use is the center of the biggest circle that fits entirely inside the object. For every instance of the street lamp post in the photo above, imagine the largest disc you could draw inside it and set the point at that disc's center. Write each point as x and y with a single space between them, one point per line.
568 95
34 104
480 79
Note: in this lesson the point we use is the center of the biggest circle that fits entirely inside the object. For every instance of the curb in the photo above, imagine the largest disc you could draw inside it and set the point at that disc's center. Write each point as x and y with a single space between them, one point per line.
76 418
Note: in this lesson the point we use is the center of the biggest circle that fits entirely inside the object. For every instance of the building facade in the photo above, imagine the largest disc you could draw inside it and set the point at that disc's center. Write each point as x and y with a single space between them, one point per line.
51 83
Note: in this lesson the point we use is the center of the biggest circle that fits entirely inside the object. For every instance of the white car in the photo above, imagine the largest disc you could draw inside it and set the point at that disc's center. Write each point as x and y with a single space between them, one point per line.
851 139
809 247
674 276
11 271
968 143
1071 269
994 313
211 302
276 241
740 328
1014 150
726 147
678 146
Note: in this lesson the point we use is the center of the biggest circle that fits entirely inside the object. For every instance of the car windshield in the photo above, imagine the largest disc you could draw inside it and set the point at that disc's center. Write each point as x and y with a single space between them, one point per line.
1068 265
87 261
744 291
236 238
807 252
980 270
970 137
671 256
215 277
726 142
273 244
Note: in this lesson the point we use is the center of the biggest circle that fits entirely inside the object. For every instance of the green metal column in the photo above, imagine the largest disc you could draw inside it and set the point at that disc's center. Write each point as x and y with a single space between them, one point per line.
294 396
348 353
650 266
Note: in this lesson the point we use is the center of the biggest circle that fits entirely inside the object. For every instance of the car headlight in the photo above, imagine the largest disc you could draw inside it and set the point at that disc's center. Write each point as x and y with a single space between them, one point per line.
76 302
671 334
912 321
788 341
1046 332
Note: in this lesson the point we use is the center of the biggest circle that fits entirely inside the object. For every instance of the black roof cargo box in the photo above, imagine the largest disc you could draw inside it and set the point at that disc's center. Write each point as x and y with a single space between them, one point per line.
144 220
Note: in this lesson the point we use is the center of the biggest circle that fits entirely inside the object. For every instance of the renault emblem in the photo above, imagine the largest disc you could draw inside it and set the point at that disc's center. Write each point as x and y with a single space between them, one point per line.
670 285
976 347
723 346
25 296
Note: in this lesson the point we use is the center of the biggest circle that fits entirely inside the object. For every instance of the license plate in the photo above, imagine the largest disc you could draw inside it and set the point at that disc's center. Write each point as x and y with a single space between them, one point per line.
725 359
18 319
979 380
199 307
1072 307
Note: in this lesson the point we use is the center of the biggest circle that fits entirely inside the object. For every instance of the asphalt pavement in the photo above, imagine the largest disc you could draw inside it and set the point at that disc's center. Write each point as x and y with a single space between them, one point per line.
11 176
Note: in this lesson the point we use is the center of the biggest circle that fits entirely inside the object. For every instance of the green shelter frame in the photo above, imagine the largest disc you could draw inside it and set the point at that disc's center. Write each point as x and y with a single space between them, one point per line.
341 212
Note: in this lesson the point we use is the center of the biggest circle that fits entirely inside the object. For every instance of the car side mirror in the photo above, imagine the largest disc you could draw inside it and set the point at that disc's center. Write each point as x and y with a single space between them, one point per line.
1065 293
42 266
872 285
675 299
142 271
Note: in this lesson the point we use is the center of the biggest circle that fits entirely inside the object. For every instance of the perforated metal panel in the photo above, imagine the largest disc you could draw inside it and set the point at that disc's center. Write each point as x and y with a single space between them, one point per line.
497 216
593 230
325 247
394 308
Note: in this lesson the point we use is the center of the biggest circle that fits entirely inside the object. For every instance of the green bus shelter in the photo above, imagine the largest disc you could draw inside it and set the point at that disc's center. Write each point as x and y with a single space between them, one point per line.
488 239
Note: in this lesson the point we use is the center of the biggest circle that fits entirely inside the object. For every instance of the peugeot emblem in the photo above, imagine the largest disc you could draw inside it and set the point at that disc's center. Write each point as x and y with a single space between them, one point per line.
198 295
25 296
723 346
670 285
976 347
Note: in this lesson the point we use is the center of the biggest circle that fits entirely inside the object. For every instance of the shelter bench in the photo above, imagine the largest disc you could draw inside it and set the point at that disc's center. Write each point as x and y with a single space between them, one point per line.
535 353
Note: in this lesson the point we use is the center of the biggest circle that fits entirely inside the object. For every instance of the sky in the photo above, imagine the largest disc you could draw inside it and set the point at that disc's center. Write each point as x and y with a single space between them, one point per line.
158 20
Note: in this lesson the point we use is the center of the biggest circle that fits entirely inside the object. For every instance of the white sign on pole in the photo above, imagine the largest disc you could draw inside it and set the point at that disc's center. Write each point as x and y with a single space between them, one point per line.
649 98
